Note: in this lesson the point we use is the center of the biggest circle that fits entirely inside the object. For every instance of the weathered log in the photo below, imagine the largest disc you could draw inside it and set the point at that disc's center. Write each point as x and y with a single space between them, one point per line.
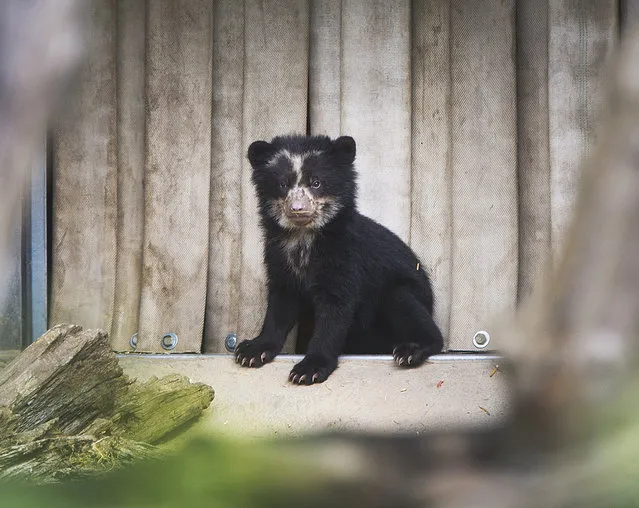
70 457
68 374
150 411
67 409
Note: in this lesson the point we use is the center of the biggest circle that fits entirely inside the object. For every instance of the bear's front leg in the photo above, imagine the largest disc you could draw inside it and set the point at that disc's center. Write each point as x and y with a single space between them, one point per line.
332 322
282 313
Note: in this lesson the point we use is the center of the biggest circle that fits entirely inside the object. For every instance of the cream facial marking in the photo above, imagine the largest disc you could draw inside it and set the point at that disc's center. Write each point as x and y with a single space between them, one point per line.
282 153
297 161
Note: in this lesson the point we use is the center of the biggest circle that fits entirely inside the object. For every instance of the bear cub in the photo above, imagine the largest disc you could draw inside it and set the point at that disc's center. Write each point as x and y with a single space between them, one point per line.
368 291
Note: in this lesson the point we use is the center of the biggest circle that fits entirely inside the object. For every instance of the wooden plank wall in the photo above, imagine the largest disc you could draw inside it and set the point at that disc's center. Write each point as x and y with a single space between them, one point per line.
178 143
85 196
130 66
483 164
470 121
431 186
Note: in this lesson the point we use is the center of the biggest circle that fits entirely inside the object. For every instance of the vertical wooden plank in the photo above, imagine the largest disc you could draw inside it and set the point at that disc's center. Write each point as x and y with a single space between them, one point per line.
376 102
275 102
85 188
533 142
130 135
583 34
325 67
484 190
228 154
430 227
177 173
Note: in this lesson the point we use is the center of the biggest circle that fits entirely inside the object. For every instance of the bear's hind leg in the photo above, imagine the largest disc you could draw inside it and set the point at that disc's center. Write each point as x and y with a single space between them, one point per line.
414 334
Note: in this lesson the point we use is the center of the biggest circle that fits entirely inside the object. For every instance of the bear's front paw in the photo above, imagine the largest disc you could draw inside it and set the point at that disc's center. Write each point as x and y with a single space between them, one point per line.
255 352
312 369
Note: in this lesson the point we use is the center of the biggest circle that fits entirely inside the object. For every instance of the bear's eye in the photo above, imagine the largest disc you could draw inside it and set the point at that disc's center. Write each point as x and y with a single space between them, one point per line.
283 185
315 184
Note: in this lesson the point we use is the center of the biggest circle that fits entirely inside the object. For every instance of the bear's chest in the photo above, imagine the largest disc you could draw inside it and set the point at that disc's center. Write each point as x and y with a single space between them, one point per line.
297 250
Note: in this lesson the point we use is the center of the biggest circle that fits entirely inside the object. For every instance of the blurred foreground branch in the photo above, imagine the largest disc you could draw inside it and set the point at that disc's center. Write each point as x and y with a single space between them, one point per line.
40 48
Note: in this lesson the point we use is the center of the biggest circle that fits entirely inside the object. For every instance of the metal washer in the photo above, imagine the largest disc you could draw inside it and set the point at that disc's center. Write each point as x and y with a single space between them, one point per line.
481 339
169 341
230 342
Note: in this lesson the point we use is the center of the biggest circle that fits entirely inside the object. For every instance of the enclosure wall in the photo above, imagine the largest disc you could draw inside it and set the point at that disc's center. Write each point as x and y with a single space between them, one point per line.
470 120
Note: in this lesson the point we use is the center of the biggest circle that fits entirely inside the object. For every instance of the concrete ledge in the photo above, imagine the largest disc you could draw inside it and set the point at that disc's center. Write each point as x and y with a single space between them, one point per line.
364 394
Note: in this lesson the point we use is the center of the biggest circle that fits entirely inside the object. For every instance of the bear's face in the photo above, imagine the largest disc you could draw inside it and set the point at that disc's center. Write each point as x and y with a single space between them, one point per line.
303 182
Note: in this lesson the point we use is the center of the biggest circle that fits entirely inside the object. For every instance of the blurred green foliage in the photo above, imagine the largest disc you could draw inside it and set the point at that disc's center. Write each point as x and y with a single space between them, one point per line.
206 472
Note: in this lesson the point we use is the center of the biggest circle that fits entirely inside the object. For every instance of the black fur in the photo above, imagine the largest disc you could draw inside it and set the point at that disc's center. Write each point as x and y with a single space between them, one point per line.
368 290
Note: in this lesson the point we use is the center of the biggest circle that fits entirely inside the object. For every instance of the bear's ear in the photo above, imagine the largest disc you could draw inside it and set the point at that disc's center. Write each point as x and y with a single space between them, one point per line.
259 153
344 149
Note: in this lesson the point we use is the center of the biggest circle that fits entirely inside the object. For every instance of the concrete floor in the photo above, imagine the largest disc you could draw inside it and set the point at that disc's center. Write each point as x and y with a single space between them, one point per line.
362 394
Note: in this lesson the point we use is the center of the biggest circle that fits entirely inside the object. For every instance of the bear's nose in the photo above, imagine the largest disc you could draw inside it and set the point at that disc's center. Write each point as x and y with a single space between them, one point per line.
297 205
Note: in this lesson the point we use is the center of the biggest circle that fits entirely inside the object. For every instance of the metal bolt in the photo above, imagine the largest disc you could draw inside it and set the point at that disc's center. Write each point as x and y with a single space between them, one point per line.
481 339
169 340
133 341
230 342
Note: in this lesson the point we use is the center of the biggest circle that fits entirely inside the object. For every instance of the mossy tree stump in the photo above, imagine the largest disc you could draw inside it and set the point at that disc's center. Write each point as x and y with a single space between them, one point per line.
68 410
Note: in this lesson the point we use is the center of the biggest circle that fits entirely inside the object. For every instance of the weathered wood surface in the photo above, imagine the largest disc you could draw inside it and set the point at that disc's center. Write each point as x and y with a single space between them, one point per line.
178 143
168 403
67 409
581 38
483 157
131 93
533 150
84 212
432 174
68 374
